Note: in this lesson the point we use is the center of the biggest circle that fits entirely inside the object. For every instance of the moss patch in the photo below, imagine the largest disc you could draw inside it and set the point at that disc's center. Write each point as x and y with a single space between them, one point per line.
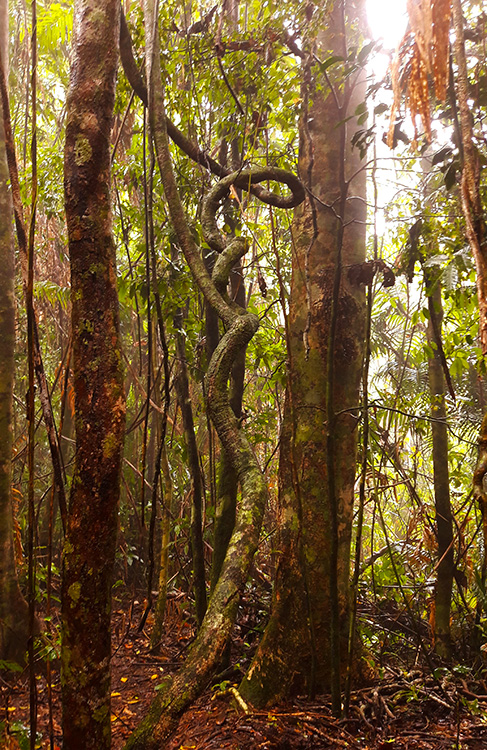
82 150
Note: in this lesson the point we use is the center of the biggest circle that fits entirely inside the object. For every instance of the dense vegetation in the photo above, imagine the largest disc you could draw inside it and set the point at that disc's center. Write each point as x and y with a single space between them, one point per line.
226 491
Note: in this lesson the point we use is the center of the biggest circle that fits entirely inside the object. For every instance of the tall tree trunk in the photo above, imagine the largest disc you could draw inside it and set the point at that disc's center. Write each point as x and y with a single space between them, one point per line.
441 477
197 546
89 548
166 524
308 629
13 607
476 231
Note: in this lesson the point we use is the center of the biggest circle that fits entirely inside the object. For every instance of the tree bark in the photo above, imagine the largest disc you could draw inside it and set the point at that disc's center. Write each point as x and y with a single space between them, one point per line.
166 503
476 231
197 504
308 629
89 547
14 620
441 476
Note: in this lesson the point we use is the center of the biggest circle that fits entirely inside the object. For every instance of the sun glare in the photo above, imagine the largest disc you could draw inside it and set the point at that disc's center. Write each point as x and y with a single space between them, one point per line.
387 20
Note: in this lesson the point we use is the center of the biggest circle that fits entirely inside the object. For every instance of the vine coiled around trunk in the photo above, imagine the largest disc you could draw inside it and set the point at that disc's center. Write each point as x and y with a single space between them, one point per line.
208 648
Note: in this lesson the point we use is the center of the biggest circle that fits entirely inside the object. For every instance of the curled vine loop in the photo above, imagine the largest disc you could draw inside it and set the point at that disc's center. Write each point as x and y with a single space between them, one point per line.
230 250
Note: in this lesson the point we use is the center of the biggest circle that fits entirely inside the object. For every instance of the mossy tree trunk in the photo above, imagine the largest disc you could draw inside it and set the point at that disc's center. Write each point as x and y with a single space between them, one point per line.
308 629
89 547
14 619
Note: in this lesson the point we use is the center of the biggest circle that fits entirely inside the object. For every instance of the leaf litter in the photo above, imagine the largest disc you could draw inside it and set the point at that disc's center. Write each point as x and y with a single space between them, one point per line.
405 710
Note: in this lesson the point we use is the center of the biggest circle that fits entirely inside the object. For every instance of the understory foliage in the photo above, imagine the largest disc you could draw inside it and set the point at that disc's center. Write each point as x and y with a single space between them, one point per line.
234 87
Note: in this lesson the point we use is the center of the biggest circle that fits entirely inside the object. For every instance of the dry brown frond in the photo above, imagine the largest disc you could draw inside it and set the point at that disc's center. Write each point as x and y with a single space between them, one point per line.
421 21
441 11
418 95
422 55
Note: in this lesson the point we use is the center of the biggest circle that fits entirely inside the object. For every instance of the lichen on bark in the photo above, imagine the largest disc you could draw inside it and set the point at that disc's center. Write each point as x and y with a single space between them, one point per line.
89 549
14 628
308 629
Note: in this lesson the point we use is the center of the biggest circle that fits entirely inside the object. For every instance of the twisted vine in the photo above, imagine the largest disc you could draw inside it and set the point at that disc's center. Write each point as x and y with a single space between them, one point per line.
189 147
242 325
208 648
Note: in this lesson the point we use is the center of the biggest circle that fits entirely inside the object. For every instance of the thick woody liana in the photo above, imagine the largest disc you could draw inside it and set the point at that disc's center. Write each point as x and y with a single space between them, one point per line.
206 652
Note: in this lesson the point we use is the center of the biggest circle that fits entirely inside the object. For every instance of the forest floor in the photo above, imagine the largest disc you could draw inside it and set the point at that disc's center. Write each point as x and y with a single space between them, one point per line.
404 710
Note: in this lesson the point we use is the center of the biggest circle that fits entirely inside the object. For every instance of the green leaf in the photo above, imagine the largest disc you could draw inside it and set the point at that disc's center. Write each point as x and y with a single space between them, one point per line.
10 666
364 52
450 176
329 62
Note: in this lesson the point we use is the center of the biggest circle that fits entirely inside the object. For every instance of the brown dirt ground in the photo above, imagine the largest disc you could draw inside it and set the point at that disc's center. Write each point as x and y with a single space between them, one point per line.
400 712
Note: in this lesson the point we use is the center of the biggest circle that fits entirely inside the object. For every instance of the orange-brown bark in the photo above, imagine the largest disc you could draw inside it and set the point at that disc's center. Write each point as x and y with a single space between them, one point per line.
99 398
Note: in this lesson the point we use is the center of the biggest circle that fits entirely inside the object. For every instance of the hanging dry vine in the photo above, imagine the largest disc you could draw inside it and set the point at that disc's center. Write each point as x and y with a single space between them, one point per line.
422 54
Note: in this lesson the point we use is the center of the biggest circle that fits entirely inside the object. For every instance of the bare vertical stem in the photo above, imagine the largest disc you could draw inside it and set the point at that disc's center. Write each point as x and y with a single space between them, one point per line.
23 251
30 393
148 226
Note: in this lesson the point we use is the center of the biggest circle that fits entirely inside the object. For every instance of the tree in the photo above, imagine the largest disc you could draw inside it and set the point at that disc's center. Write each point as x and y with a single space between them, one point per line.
428 55
476 229
227 484
89 547
329 236
288 353
439 428
240 325
438 378
325 328
14 627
